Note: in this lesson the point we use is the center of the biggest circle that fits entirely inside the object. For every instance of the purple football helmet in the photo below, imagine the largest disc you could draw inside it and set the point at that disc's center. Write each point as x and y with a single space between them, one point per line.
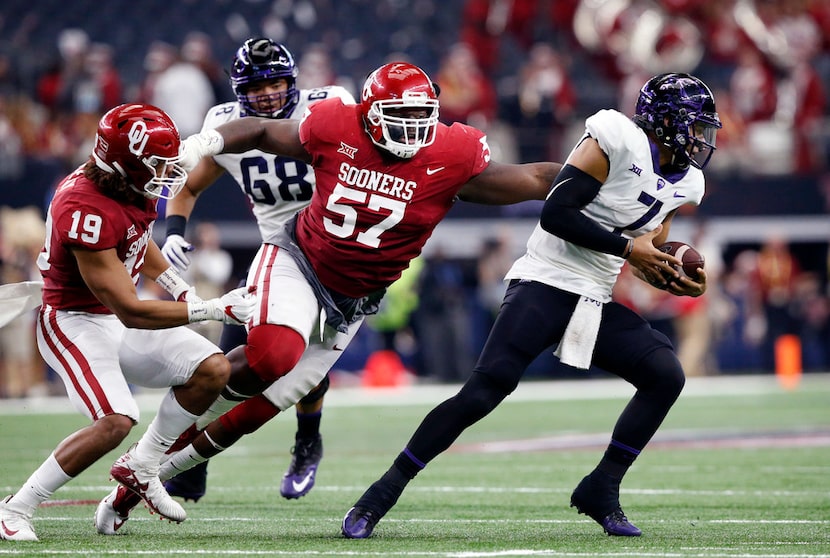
680 110
260 60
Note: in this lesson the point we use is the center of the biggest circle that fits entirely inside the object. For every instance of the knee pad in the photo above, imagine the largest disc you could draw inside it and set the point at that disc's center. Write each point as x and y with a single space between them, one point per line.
273 351
317 393
248 416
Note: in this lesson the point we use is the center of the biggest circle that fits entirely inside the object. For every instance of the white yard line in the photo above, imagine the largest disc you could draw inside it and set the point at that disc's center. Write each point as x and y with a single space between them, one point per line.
532 390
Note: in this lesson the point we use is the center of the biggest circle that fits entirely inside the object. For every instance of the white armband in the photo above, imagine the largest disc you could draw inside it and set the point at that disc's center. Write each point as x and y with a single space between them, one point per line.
173 283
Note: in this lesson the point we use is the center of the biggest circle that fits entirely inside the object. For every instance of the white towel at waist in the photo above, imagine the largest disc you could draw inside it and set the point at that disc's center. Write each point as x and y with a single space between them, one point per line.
18 298
576 348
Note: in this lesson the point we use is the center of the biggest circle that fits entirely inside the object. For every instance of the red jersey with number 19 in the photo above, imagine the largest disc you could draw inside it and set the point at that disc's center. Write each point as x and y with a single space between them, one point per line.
372 213
81 217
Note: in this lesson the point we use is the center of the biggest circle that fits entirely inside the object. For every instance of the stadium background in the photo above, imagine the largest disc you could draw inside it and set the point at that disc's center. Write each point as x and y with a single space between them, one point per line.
528 72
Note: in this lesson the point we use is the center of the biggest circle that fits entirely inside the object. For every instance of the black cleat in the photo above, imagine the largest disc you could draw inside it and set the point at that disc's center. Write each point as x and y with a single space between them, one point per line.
598 496
190 484
378 499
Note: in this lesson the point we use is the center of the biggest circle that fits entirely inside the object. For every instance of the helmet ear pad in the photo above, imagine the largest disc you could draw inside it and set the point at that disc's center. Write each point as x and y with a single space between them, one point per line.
373 125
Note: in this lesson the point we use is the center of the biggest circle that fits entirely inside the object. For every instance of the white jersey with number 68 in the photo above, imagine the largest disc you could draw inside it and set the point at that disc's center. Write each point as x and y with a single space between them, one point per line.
277 186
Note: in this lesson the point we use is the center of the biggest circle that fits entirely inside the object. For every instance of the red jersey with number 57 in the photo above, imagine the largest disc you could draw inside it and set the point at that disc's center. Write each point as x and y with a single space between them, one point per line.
372 213
81 217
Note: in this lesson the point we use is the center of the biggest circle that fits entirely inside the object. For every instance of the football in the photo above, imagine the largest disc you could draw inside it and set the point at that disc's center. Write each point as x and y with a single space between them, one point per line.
691 258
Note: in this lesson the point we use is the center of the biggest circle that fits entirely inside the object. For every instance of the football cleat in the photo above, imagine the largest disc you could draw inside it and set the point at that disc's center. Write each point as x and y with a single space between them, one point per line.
598 497
359 523
146 484
114 510
617 524
190 484
15 526
298 480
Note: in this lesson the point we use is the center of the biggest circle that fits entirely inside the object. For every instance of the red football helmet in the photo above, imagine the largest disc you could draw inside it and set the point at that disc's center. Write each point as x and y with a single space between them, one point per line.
400 108
141 143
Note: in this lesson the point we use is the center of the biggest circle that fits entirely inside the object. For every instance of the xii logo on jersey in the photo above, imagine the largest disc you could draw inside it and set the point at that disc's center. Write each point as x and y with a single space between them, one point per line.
635 169
347 150
131 232
139 245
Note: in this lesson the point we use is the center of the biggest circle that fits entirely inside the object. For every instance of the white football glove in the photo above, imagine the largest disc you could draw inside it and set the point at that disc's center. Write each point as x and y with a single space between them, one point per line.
235 307
198 146
175 251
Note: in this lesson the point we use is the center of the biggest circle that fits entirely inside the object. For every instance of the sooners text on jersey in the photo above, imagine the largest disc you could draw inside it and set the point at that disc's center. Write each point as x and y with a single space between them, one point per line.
372 213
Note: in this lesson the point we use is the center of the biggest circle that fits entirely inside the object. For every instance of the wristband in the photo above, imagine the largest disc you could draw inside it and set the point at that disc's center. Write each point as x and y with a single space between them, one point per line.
199 311
176 224
172 282
629 248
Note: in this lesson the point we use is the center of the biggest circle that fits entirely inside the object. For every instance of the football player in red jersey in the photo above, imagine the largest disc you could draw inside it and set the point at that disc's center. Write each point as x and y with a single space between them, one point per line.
263 75
387 173
99 336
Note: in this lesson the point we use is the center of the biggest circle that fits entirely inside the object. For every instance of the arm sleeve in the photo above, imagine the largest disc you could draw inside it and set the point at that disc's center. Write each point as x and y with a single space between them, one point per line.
562 215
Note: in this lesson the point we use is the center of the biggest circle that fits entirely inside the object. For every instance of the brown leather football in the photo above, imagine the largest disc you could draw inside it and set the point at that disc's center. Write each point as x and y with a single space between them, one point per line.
691 258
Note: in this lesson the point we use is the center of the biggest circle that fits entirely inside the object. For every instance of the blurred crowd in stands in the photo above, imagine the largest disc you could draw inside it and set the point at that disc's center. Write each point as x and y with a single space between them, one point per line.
526 71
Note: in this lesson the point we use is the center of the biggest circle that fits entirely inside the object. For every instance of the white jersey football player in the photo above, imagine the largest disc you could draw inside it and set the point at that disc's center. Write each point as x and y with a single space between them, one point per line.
613 201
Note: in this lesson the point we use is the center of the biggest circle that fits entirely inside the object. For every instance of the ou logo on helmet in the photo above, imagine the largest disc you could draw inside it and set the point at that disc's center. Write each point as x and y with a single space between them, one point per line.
138 137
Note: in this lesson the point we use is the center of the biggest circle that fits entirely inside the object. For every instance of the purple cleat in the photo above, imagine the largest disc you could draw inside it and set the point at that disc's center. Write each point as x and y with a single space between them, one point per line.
378 499
359 523
597 496
616 523
298 480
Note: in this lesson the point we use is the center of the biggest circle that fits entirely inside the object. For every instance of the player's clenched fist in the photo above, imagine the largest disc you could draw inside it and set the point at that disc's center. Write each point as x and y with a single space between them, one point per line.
194 148
234 307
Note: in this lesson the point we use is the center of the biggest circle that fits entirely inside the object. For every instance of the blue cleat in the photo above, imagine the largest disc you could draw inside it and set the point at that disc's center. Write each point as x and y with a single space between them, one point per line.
298 480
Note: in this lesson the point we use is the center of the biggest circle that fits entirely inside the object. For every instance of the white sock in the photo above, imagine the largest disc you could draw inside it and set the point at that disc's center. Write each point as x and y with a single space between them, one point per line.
170 421
39 487
185 459
180 461
219 407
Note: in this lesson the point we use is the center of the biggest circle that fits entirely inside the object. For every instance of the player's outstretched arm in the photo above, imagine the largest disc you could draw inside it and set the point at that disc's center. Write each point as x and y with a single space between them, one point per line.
281 137
504 184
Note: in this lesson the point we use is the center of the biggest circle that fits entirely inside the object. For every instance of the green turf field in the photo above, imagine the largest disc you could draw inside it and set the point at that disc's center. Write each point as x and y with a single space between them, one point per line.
740 468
